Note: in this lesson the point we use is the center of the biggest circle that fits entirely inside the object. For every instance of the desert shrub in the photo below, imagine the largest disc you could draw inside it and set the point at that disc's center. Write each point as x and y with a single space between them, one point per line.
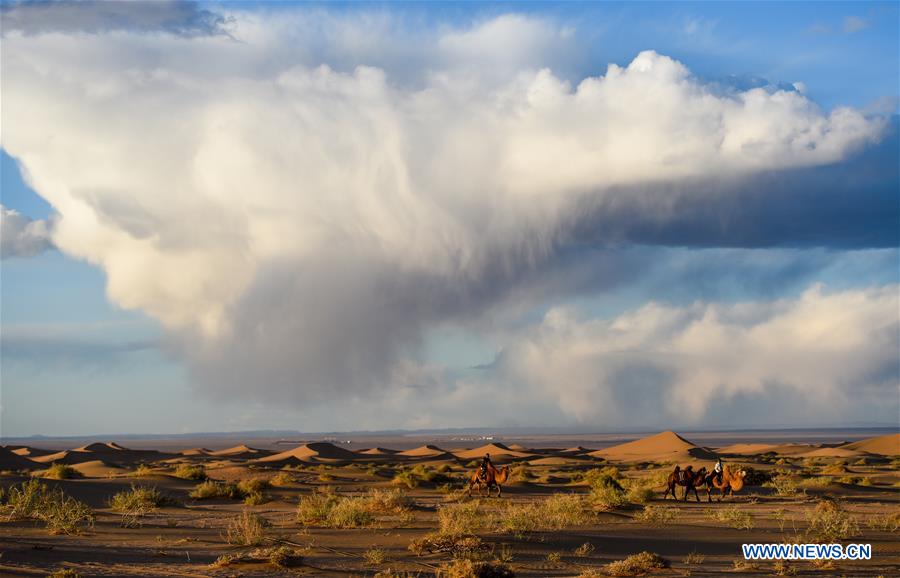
245 529
277 556
143 470
694 559
521 473
829 522
420 474
563 510
282 479
461 518
375 556
465 568
754 477
314 508
457 545
253 485
732 516
815 482
784 485
607 497
388 501
210 489
636 565
606 476
554 558
255 498
657 515
639 491
59 471
520 519
136 503
350 513
61 513
65 573
884 522
191 472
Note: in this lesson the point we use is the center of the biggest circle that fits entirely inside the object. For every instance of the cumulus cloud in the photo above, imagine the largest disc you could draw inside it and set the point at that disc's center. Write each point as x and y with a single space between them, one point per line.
298 226
21 236
832 353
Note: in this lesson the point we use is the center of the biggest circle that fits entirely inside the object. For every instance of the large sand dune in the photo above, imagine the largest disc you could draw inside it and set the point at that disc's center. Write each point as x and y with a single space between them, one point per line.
888 445
665 446
312 452
496 450
12 461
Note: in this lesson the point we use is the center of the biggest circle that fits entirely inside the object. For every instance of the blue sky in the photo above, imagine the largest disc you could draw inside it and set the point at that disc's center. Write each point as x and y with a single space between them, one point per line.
216 234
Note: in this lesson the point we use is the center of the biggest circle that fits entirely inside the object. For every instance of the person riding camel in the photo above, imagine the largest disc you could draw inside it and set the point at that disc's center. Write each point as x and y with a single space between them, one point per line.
688 473
678 473
483 469
718 470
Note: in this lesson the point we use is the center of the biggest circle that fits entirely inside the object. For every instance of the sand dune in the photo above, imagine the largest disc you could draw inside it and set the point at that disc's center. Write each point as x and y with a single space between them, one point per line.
888 445
196 452
831 453
426 451
28 452
495 449
665 446
101 447
517 447
315 451
576 450
241 451
12 461
746 449
99 469
378 452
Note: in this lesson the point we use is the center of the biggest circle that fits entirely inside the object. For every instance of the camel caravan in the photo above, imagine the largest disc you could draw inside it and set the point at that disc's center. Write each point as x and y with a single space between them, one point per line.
721 479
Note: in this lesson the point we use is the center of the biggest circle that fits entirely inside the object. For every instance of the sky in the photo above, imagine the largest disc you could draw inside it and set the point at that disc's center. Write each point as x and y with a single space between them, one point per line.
319 217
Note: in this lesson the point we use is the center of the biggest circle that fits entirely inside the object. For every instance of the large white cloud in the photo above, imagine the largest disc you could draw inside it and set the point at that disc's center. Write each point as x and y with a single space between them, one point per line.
834 352
298 226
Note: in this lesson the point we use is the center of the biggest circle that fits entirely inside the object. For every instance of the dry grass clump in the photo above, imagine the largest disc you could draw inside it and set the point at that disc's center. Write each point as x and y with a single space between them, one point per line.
694 559
419 475
59 471
782 568
375 556
657 515
388 501
732 516
327 509
191 472
830 523
884 522
457 545
460 518
61 513
564 510
785 485
65 573
246 529
277 556
282 479
464 568
138 502
636 565
607 497
210 489
143 470
585 549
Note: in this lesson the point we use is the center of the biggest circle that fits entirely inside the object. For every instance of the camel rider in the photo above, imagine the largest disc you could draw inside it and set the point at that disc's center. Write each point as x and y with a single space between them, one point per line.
678 473
717 471
688 473
483 469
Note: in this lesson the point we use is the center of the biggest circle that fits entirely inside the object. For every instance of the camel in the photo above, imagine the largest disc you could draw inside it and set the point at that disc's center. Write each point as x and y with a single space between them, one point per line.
731 482
494 479
690 480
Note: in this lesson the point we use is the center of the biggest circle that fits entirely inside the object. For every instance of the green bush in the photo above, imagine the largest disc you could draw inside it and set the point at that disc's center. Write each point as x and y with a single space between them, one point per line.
136 503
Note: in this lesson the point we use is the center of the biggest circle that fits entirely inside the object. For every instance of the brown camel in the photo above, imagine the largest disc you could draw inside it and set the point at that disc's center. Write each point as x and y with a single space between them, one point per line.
690 479
731 482
494 478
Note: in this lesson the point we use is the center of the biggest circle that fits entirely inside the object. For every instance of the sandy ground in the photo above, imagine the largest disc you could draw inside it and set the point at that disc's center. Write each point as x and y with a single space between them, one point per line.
186 540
